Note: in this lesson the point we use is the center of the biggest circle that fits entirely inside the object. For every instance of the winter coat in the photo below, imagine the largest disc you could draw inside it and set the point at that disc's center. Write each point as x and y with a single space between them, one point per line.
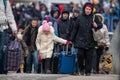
82 35
30 35
105 36
6 15
45 43
72 24
63 28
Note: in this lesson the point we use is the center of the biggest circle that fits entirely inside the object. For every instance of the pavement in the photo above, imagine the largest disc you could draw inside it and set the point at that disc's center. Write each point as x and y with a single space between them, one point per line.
24 76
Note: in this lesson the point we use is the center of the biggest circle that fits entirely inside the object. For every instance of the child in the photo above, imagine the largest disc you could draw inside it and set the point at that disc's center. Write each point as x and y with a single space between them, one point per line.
45 43
103 43
24 49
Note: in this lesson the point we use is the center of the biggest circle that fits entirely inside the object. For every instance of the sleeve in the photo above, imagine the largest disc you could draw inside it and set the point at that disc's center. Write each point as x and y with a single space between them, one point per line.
60 40
107 37
74 30
10 17
38 40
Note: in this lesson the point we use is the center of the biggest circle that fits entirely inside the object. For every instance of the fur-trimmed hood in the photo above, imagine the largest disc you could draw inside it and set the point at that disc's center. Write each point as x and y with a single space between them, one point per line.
98 14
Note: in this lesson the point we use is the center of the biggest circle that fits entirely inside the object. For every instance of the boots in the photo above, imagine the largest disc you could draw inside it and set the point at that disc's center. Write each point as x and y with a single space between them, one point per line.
47 66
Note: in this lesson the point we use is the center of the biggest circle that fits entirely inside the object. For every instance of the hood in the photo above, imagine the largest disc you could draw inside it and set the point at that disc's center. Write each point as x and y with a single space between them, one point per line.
85 6
65 11
53 10
97 14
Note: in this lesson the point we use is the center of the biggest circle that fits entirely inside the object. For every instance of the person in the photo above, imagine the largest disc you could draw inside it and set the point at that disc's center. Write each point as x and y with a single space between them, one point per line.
30 34
83 40
73 19
6 17
64 24
45 43
24 50
102 44
54 18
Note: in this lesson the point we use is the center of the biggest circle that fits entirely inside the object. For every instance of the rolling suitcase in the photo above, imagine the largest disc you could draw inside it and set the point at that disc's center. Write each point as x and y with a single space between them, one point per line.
67 61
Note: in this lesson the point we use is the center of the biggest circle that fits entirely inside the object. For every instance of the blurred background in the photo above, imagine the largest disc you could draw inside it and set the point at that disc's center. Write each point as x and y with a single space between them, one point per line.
25 9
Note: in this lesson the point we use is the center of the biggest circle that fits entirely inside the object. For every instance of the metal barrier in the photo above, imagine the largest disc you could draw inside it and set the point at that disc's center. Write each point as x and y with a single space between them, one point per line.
111 22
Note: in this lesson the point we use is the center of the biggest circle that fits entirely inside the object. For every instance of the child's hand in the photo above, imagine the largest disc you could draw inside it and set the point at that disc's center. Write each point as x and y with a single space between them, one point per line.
68 42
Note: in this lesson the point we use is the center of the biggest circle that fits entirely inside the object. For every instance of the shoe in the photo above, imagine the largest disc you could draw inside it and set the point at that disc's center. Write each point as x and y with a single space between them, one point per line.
87 74
94 72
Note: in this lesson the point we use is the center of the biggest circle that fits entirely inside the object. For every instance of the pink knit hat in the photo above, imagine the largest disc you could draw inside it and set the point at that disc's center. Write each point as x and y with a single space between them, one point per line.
46 26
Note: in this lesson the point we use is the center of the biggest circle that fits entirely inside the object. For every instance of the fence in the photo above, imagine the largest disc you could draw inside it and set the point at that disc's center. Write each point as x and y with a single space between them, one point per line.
111 22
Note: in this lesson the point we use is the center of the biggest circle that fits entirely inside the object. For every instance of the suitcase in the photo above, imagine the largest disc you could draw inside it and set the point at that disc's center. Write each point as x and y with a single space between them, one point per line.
67 61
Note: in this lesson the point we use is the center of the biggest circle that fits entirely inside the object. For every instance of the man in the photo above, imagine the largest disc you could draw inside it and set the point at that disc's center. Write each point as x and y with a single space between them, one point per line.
30 35
82 37
64 25
73 19
6 17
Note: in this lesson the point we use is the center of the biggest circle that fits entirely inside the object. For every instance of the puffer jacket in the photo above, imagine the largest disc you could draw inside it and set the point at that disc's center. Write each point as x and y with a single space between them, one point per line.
104 31
82 35
45 43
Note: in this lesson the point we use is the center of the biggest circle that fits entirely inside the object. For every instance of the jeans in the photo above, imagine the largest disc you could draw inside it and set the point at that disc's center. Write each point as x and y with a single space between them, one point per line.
32 58
2 54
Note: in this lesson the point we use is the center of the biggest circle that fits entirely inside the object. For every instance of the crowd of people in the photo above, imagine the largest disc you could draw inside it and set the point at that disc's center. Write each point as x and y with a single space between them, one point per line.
38 31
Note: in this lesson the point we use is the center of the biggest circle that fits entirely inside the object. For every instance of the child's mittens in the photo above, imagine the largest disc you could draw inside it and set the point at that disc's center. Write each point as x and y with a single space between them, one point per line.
68 42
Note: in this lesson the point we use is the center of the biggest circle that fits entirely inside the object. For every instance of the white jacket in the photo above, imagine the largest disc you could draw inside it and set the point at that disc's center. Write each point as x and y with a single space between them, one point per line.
7 16
104 32
45 43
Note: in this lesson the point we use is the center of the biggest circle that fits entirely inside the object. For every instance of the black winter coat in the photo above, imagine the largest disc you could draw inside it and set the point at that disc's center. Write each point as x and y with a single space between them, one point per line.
63 28
82 35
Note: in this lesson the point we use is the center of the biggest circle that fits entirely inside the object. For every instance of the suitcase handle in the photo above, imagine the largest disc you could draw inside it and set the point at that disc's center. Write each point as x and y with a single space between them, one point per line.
71 52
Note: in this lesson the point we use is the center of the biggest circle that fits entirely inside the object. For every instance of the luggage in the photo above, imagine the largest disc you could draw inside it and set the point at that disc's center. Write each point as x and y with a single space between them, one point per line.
14 56
67 61
8 37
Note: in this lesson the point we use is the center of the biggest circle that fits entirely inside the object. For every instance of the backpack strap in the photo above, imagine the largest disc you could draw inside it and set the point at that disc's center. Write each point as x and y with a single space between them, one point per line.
5 4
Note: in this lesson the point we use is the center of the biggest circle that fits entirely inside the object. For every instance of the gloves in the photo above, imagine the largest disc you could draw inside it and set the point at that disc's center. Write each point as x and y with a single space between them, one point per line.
68 42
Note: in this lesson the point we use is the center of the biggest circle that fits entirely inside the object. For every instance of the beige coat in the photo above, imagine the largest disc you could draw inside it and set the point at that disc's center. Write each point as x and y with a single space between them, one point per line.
104 32
45 43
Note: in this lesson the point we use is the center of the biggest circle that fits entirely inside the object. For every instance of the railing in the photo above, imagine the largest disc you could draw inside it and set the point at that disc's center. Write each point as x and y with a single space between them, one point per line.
111 22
